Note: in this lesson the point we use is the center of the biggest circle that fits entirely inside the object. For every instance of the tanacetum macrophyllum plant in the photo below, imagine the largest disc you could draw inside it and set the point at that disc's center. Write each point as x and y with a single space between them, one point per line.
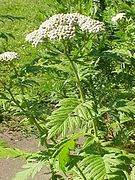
63 27
77 136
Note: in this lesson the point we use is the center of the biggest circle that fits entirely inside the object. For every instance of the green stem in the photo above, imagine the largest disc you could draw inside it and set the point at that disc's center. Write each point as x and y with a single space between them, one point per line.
95 127
51 165
14 68
81 91
83 176
23 110
78 80
95 119
76 75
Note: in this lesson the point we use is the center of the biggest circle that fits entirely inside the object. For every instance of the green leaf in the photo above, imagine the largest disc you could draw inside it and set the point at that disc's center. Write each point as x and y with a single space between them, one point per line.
132 175
125 106
62 153
29 82
31 169
3 96
97 167
71 114
6 35
8 152
11 17
120 52
62 119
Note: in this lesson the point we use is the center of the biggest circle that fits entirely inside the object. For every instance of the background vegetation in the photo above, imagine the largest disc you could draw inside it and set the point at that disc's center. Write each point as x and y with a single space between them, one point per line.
40 88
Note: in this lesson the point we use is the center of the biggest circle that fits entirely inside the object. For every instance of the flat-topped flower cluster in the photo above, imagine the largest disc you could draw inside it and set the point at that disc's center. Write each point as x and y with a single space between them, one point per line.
8 56
118 16
63 26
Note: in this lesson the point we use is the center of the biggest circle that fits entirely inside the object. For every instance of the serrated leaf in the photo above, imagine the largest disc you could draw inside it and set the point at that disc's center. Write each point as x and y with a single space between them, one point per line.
98 167
8 152
62 119
71 114
31 169
125 106
121 52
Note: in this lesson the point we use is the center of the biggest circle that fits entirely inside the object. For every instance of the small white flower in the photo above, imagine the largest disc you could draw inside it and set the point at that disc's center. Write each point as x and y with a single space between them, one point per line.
8 56
63 26
118 16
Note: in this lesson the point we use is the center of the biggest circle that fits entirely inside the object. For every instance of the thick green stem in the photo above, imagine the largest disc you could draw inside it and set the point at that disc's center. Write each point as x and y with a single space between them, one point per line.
81 91
78 81
76 75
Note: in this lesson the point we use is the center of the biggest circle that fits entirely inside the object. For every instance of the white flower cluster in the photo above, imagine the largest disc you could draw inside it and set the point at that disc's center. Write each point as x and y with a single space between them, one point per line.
117 17
63 26
90 25
8 56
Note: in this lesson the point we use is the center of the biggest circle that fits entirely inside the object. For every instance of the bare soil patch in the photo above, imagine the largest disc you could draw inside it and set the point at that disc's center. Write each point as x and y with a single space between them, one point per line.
9 167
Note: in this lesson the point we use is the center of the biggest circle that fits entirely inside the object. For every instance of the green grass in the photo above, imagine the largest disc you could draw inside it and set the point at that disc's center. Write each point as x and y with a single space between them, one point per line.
33 12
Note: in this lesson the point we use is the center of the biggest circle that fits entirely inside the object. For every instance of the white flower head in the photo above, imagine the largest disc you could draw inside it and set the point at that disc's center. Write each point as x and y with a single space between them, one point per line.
118 16
63 26
90 25
36 37
8 56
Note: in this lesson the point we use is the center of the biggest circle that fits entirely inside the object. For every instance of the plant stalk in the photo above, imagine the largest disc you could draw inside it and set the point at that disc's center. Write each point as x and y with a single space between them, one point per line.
81 91
23 110
95 119
76 75
95 127
78 80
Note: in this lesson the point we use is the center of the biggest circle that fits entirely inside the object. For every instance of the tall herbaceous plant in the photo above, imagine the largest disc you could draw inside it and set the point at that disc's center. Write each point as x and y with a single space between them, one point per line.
84 133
